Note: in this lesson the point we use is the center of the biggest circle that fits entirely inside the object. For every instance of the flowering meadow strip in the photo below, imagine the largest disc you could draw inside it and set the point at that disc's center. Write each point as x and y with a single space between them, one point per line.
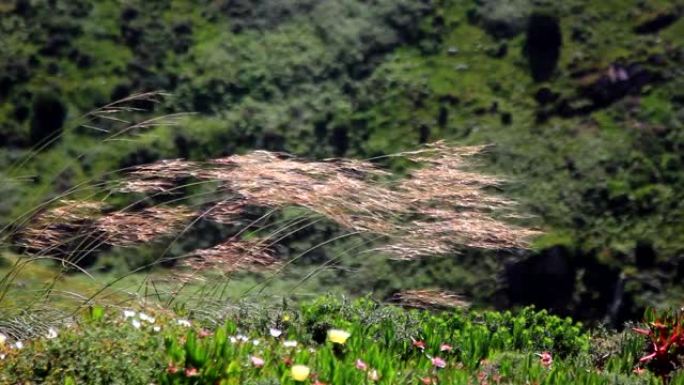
325 342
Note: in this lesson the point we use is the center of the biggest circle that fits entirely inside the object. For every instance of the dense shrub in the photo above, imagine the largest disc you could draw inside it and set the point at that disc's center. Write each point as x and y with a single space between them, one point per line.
94 350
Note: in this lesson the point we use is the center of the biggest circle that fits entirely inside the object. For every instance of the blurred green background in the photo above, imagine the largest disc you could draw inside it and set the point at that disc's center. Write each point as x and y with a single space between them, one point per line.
582 102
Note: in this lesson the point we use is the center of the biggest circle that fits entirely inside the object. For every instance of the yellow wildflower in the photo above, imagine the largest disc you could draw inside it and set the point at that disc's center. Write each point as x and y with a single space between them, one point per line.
338 336
300 372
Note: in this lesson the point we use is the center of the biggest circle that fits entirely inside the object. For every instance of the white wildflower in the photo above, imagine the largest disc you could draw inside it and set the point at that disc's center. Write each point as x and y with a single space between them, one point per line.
290 344
136 324
146 318
184 322
275 332
128 313
51 333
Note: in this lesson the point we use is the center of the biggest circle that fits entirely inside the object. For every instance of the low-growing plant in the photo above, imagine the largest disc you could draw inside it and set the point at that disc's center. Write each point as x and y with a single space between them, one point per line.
665 342
101 348
328 341
385 345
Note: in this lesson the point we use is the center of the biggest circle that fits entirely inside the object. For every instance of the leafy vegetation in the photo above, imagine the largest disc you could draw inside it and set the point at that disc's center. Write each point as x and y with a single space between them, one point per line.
337 340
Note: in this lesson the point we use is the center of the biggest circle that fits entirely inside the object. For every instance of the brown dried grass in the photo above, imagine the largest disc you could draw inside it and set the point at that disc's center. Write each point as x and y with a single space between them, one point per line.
231 256
434 299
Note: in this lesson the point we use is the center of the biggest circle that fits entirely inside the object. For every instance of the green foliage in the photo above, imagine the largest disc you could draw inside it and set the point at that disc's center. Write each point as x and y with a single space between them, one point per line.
597 163
488 346
386 345
98 349
383 338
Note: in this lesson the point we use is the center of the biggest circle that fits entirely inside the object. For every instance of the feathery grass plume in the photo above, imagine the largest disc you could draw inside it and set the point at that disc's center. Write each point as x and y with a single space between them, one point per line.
75 227
53 229
226 211
429 299
68 233
144 186
450 206
437 208
124 228
231 256
157 177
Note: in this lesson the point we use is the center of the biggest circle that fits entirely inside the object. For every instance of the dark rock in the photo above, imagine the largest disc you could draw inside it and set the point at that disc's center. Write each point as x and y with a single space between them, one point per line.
616 82
546 279
543 45
609 85
657 23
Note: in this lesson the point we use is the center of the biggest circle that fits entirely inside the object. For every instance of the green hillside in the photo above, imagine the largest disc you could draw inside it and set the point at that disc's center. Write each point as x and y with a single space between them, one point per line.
581 102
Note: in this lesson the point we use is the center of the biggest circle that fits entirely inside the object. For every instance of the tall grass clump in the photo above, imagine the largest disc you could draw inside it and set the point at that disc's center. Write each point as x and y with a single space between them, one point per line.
437 207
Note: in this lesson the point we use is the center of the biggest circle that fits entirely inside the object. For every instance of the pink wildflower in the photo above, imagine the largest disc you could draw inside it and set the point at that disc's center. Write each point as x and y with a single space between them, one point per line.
546 359
257 362
438 362
191 372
